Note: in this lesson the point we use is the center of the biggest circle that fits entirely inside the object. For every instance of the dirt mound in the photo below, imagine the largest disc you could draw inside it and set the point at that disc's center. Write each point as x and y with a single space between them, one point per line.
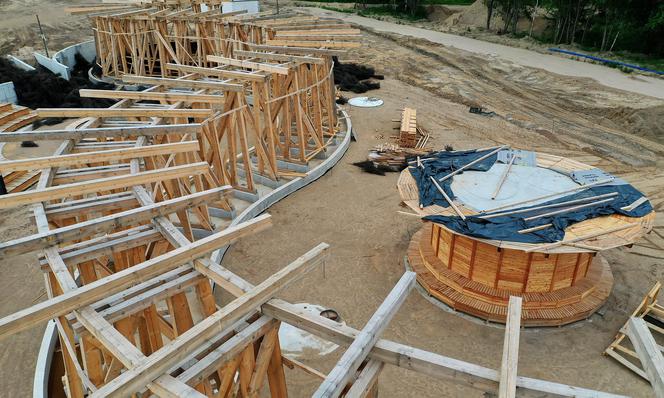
42 89
475 15
355 77
646 122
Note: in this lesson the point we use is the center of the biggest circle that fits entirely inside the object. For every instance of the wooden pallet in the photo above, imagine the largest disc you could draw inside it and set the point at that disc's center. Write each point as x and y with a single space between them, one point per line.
625 354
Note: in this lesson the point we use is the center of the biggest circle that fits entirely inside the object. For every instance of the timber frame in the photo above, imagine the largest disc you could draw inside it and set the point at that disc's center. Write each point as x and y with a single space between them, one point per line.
125 215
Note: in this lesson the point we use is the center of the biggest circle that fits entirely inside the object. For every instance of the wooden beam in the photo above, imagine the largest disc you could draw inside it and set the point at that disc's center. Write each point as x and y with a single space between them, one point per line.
351 360
417 360
97 156
508 367
108 223
122 112
103 184
153 96
227 351
159 362
91 292
314 44
279 57
183 83
296 50
281 70
229 74
366 381
648 351
101 132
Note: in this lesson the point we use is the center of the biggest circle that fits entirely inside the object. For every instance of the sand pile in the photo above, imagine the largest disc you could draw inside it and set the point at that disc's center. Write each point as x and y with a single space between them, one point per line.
645 122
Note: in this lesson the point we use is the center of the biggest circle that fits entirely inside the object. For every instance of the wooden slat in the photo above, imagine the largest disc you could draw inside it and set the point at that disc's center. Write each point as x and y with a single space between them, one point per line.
342 372
153 96
121 112
103 184
108 223
101 132
160 361
91 292
508 367
97 156
183 83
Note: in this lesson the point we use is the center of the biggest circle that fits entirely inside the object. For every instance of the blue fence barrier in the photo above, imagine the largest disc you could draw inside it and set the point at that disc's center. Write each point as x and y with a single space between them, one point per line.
606 61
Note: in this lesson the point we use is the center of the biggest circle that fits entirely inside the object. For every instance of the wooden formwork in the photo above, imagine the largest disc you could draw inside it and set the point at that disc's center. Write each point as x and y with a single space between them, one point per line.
129 280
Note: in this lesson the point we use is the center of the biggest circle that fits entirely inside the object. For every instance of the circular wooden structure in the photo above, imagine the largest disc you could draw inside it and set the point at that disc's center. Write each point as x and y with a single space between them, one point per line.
560 283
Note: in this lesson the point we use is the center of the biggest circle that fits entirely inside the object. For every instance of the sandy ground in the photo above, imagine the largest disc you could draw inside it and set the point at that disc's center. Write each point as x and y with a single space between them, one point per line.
609 77
19 32
356 213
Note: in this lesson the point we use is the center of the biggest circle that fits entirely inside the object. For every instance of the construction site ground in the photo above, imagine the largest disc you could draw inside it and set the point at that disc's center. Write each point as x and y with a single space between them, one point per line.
356 213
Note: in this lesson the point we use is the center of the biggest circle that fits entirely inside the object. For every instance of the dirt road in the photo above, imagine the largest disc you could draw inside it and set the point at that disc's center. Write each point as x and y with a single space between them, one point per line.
613 78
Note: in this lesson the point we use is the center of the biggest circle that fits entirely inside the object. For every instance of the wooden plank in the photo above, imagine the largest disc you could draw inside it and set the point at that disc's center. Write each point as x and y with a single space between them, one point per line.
122 112
280 57
152 96
101 132
76 159
366 381
296 50
314 44
508 367
226 351
118 281
107 223
649 354
160 361
183 83
351 360
103 184
229 74
281 70
417 360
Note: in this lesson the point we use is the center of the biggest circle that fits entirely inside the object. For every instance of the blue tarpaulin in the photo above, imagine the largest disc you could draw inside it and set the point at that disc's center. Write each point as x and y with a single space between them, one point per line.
616 195
440 164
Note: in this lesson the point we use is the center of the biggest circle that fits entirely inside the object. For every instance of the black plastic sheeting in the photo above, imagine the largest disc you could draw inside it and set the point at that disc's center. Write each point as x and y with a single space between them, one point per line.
443 164
507 227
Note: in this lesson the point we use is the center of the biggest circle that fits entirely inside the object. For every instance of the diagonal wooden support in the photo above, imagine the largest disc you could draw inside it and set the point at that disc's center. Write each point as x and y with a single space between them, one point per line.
160 361
365 385
114 283
352 359
508 367
648 352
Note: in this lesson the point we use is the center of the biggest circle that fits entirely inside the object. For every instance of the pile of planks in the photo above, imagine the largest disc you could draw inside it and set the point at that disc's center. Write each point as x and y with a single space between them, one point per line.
410 134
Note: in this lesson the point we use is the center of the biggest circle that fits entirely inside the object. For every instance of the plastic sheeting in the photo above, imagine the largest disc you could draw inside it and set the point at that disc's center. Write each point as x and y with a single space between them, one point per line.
507 227
440 164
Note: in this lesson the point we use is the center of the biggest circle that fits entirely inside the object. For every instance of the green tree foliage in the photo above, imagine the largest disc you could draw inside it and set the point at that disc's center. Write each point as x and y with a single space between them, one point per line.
632 25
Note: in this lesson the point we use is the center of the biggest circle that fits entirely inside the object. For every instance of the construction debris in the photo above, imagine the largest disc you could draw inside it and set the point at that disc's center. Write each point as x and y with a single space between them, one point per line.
354 77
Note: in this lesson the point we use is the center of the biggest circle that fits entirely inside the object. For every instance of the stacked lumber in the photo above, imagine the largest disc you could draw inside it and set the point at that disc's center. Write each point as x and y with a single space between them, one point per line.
408 128
393 157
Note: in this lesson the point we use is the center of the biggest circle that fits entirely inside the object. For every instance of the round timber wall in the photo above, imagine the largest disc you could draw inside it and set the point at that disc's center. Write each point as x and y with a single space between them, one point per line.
477 278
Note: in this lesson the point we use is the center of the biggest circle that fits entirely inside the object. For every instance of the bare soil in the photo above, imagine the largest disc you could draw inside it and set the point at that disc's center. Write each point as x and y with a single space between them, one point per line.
356 213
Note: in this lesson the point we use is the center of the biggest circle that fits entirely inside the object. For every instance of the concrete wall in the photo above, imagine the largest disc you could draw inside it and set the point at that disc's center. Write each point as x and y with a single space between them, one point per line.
64 60
251 6
7 93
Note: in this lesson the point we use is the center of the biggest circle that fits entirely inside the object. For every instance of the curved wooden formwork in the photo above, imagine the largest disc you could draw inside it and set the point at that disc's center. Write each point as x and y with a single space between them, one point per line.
559 282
